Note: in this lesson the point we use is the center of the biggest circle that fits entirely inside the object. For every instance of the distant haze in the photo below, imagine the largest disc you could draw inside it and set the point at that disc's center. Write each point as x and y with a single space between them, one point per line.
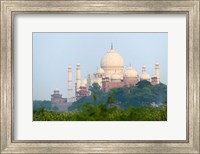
53 52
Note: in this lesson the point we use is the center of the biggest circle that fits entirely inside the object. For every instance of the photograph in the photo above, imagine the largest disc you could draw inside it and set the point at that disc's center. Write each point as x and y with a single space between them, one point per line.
100 76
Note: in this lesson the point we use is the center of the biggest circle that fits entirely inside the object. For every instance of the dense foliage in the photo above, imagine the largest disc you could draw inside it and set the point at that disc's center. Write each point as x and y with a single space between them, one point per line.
144 93
119 104
102 112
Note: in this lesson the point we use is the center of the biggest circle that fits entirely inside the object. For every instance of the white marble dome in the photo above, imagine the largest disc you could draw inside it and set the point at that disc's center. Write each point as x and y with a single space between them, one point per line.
112 62
84 83
116 77
112 59
130 72
145 76
100 71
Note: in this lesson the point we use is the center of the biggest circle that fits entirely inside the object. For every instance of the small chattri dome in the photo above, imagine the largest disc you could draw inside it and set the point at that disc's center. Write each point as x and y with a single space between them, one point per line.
130 72
116 77
100 71
84 83
56 91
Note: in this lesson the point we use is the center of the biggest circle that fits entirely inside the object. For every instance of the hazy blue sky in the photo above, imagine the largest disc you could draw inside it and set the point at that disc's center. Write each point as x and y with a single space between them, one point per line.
53 52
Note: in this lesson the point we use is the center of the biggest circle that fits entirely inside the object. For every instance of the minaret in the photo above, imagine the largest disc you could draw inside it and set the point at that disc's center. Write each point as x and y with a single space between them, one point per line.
70 89
157 72
78 76
144 75
143 69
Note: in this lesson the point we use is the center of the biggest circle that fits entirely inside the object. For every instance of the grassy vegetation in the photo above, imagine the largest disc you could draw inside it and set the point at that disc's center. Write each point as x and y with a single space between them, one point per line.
102 112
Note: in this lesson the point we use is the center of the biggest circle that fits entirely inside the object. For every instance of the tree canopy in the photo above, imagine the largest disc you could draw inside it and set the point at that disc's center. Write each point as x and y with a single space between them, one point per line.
132 103
144 93
38 104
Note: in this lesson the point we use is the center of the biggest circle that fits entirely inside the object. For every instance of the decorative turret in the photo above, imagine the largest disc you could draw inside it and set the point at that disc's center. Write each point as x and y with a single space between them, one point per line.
84 83
99 73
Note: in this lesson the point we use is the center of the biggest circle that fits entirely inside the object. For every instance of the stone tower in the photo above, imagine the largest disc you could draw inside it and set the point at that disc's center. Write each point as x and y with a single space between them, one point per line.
70 89
157 72
78 76
143 69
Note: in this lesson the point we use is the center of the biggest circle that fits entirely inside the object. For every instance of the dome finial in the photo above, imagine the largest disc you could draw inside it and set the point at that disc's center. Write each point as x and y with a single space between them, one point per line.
111 45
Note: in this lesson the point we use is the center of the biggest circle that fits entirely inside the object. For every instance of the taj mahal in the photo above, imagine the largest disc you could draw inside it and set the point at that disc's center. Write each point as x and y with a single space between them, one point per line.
111 73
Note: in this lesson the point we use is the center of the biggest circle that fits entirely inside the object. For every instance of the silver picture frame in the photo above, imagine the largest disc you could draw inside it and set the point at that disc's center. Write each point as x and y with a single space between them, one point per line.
9 8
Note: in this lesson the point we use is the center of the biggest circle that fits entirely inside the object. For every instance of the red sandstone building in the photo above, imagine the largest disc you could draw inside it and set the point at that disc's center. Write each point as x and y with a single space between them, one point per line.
82 92
56 97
